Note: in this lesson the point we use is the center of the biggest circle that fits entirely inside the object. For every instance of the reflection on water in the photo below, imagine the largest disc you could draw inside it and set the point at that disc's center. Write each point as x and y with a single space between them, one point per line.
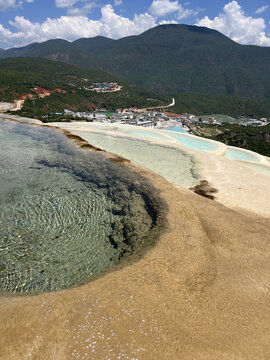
65 213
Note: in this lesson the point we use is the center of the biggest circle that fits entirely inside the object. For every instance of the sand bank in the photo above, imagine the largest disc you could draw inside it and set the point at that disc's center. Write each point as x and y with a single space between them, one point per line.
201 293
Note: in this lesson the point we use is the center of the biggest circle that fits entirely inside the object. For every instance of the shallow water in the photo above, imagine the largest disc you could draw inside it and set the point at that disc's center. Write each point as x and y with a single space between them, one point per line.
194 142
19 119
176 128
238 154
146 134
65 213
172 163
265 170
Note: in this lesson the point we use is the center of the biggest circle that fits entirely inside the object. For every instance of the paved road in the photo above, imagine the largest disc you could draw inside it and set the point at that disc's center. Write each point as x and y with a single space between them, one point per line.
159 107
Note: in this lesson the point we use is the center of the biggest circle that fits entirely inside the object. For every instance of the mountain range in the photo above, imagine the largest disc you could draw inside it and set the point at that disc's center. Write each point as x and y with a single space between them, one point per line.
168 59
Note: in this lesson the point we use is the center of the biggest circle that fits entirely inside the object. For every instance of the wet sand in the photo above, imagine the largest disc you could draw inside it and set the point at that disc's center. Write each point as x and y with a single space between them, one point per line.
201 293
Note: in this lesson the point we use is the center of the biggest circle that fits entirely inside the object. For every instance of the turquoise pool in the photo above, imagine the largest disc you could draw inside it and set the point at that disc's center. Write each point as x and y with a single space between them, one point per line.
239 154
190 141
145 134
176 128
194 142
170 162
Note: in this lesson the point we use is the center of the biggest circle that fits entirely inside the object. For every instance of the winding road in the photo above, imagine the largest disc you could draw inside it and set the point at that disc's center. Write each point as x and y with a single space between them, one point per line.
158 107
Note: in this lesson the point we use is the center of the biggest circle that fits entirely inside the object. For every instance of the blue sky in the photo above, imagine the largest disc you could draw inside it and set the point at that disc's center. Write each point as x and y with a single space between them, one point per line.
25 21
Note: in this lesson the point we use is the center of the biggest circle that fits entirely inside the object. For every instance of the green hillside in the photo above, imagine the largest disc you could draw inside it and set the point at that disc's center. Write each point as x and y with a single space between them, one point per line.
18 76
251 138
169 59
234 106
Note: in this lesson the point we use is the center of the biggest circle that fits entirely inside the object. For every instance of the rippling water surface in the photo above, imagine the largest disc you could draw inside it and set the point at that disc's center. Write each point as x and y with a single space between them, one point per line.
65 213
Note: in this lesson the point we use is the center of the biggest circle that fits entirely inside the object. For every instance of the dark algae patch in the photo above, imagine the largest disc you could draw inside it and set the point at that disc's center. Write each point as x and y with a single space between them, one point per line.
68 214
205 189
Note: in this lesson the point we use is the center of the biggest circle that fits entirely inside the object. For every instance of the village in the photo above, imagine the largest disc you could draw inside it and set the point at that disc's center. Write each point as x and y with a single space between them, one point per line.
159 119
150 119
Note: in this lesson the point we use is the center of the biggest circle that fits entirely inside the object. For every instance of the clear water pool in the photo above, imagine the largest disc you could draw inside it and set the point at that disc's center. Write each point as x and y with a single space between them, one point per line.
170 162
145 134
176 128
194 142
265 170
239 154
66 214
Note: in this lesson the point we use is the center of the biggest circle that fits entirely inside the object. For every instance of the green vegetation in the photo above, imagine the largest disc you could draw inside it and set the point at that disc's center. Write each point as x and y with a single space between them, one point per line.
200 104
169 59
83 100
255 138
19 75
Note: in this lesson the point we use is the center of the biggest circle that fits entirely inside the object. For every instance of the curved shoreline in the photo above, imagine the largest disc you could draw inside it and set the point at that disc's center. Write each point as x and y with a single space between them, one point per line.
239 187
201 292
126 238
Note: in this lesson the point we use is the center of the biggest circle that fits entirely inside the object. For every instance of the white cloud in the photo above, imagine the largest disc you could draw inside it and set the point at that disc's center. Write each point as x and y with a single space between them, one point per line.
81 11
118 2
73 27
117 26
161 8
167 22
261 9
234 23
184 13
83 7
4 4
65 3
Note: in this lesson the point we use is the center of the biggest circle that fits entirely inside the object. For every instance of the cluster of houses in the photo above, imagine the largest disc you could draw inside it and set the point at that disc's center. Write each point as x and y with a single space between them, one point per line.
99 87
149 119
243 121
104 87
255 122
155 119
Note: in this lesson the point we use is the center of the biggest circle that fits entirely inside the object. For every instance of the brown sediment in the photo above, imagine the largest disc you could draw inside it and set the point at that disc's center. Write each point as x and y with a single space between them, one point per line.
37 123
119 160
78 140
205 189
85 145
201 293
